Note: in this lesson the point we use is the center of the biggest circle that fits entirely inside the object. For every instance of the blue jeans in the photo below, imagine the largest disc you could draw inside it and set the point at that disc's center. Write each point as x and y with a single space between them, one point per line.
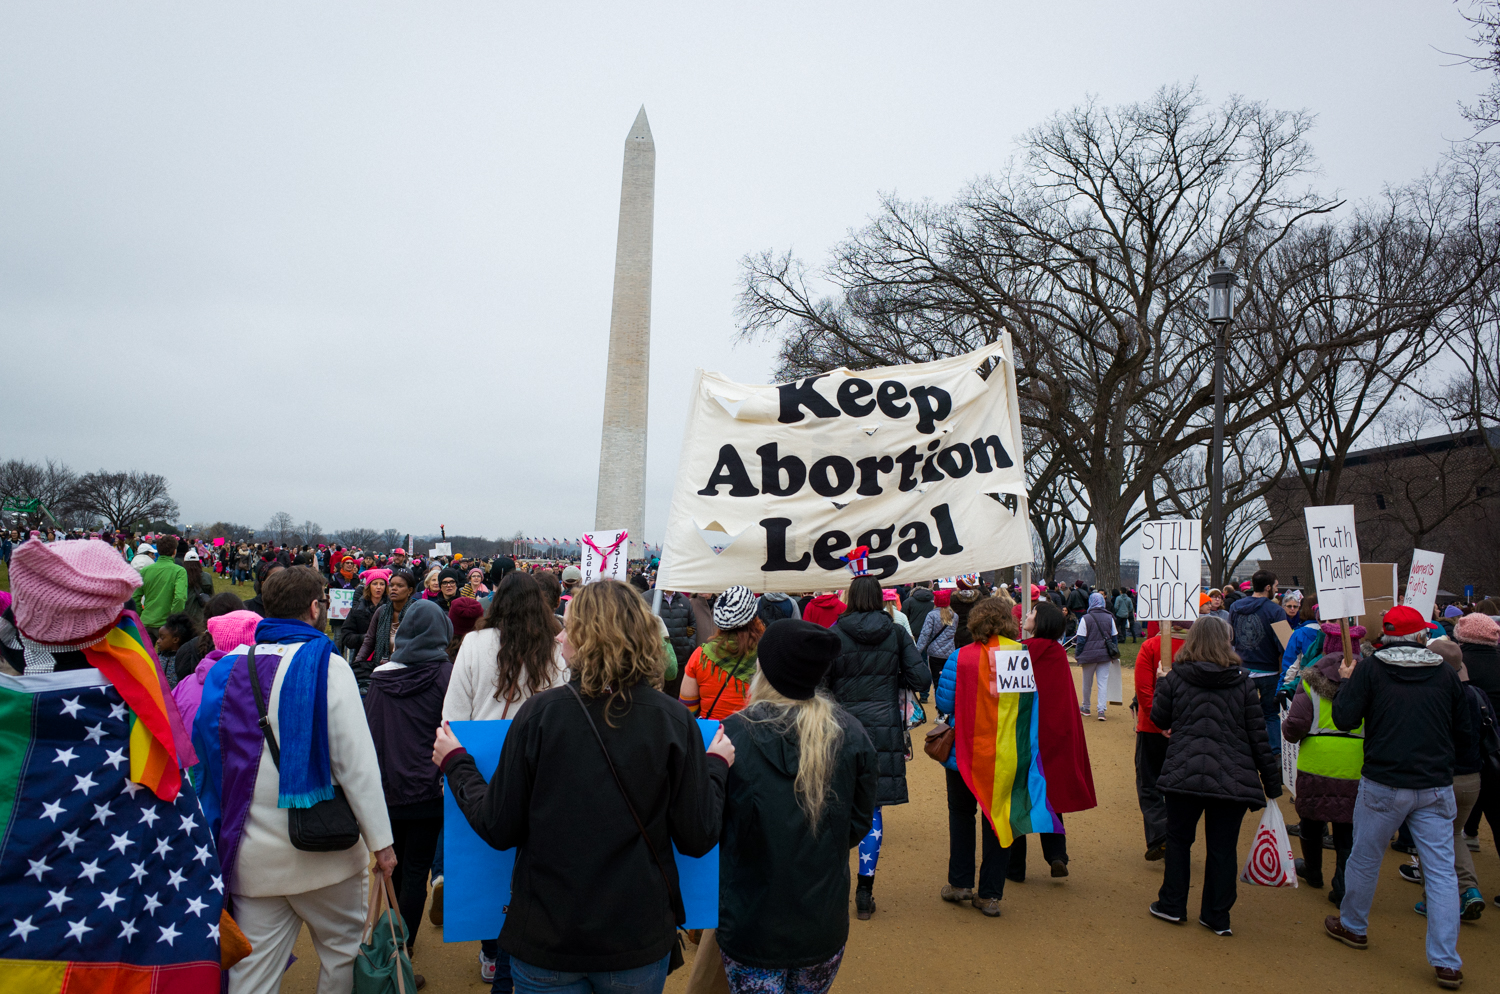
642 980
1267 683
1378 811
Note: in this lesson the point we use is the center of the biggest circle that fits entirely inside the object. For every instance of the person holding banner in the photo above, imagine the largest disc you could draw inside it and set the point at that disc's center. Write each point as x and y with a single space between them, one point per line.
801 794
597 781
1218 766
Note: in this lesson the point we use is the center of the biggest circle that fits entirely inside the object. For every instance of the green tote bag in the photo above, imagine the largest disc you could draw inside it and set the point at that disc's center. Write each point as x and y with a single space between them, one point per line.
382 966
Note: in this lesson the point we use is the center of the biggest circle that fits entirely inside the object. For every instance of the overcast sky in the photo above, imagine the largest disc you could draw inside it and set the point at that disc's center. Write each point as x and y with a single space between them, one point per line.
354 262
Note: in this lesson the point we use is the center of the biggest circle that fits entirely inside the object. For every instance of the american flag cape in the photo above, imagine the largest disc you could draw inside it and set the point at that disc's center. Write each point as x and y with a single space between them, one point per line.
103 885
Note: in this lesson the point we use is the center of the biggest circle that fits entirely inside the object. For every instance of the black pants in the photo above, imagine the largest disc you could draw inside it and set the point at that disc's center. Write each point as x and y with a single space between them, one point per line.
1150 753
1221 830
962 806
1312 851
1488 806
1054 847
415 842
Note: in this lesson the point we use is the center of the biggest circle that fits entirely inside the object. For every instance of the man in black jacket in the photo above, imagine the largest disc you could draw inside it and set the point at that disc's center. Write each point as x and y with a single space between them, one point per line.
1412 707
677 614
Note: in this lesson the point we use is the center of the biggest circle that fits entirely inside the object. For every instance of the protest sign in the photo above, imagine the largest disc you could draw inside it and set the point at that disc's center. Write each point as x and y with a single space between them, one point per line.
476 899
1380 584
340 603
1335 559
1422 581
920 463
604 556
441 549
1171 576
1010 672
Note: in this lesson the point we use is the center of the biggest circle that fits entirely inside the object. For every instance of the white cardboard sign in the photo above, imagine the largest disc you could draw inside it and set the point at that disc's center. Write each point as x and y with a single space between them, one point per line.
1422 581
1010 672
442 548
1171 576
340 603
1335 558
604 556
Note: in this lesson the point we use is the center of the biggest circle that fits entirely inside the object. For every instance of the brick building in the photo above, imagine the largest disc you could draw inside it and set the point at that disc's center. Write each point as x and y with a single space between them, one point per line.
1440 493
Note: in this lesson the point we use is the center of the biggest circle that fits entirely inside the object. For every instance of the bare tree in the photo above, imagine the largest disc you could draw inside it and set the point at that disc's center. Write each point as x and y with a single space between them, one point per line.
357 538
126 500
1484 31
281 529
311 532
52 483
223 529
390 538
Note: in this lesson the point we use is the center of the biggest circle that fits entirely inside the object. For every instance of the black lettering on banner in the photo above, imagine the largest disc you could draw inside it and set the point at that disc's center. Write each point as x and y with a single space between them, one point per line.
776 560
795 396
851 392
731 470
930 472
828 548
887 396
919 544
982 456
956 460
870 468
933 405
771 469
951 546
879 539
843 476
908 461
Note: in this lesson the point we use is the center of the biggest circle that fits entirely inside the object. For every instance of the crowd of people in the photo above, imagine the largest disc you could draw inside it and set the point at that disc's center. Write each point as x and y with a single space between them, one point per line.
324 747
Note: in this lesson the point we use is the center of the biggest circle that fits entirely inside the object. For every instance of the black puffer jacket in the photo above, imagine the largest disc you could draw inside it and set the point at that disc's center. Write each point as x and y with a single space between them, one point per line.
677 615
877 662
917 607
1218 738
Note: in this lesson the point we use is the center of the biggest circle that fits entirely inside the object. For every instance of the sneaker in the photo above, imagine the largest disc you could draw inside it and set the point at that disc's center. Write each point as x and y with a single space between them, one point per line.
1084 712
957 895
1334 926
990 906
1473 905
1156 853
435 909
1449 978
1410 872
1216 931
1165 916
1101 715
1420 908
486 969
1472 841
1059 868
1295 831
1328 841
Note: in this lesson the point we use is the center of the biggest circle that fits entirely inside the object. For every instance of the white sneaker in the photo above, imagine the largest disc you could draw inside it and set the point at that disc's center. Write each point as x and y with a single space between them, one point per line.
486 969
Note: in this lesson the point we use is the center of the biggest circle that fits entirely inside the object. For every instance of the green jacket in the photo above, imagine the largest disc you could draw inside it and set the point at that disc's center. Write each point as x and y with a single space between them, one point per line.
163 591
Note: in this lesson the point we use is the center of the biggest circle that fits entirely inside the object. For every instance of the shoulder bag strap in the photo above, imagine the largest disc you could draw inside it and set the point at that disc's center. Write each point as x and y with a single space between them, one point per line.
260 709
650 847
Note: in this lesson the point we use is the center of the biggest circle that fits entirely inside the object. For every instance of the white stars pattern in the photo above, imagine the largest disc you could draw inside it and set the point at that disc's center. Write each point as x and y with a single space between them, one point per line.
118 711
76 929
120 842
65 757
71 839
213 931
128 930
108 901
23 928
195 907
95 734
175 880
162 848
152 904
58 898
203 855
72 707
137 872
38 867
148 817
51 809
85 783
115 758
90 870
102 813
189 823
168 933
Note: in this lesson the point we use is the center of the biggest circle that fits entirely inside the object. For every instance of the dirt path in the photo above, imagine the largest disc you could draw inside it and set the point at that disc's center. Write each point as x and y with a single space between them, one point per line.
1089 933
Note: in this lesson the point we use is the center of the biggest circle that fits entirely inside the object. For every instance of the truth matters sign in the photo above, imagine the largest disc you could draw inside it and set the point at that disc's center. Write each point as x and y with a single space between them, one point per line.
1335 558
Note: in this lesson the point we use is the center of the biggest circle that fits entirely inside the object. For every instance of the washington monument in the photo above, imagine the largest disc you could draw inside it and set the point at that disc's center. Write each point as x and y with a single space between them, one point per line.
621 502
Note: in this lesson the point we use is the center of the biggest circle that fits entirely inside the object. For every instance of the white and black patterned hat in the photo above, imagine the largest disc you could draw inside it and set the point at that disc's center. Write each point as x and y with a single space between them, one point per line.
734 608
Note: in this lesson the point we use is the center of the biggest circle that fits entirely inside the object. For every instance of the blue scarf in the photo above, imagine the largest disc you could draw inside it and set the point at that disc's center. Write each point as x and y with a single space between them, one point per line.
306 773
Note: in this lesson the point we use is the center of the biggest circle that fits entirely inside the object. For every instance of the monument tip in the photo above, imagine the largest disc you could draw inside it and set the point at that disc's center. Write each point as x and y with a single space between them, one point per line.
641 129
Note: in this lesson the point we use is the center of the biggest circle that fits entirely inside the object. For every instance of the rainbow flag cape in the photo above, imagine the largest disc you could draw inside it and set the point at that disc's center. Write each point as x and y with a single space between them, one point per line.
159 746
1001 759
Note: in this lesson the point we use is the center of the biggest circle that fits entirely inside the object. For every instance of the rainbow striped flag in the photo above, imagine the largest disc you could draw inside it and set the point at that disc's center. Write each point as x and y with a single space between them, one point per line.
1001 759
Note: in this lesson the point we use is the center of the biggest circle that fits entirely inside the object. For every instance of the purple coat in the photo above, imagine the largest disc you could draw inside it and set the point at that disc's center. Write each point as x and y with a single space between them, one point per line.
189 693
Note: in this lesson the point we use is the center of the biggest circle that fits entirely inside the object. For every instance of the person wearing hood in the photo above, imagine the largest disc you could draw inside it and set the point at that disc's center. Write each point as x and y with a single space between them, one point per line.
877 660
800 795
824 609
1477 636
1098 646
918 605
1218 766
404 705
775 606
718 673
1416 722
1328 763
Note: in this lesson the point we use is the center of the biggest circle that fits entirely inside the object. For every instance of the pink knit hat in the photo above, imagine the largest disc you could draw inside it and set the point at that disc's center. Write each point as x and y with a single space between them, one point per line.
232 630
1477 628
68 590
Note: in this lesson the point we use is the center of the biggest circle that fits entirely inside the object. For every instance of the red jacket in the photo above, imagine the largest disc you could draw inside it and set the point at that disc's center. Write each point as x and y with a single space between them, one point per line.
1146 663
824 610
1065 753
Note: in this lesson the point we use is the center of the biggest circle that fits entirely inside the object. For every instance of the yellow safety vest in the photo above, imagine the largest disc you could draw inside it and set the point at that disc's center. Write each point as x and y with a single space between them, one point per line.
1327 751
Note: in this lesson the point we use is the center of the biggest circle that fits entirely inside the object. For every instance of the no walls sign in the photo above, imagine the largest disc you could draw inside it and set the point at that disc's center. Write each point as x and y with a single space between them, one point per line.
922 464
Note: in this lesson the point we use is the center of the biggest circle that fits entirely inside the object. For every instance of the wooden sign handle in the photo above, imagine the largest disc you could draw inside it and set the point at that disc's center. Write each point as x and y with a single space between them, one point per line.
1348 643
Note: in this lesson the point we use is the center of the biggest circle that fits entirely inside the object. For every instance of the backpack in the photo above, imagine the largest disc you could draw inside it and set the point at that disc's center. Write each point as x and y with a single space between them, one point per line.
1489 733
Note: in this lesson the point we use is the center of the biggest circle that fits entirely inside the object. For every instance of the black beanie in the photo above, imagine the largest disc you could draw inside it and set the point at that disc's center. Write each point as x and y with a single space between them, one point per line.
795 654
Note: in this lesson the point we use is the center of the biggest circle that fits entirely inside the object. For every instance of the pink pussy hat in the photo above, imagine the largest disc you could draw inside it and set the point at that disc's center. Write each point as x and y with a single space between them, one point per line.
67 591
232 630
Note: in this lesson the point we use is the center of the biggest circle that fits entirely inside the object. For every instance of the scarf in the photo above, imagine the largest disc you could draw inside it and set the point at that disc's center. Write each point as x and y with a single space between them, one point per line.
306 773
737 669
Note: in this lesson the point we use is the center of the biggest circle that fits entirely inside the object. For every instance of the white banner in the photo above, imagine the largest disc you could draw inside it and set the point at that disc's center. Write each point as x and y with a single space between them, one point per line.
442 548
604 556
776 483
1171 576
1335 560
340 602
1422 581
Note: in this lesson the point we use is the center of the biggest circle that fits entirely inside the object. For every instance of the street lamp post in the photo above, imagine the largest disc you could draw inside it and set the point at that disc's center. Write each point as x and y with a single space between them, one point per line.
1221 284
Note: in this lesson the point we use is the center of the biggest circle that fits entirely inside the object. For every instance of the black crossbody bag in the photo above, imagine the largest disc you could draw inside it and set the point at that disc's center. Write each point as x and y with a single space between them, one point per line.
329 825
676 959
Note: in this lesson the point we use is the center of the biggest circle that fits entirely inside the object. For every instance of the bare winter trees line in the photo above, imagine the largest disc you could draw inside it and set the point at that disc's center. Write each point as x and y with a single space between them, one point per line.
1092 248
122 500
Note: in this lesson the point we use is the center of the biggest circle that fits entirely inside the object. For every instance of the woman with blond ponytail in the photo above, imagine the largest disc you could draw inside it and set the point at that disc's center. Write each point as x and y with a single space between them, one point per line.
800 795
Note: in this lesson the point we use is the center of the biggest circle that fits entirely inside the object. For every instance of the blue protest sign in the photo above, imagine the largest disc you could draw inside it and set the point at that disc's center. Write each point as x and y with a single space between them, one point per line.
477 878
1468 591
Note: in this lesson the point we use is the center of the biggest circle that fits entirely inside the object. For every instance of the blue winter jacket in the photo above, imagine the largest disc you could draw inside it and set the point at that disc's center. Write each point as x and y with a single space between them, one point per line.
947 691
1298 643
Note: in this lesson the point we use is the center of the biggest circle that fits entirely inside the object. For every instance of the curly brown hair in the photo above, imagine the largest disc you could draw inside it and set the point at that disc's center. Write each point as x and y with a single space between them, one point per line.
993 617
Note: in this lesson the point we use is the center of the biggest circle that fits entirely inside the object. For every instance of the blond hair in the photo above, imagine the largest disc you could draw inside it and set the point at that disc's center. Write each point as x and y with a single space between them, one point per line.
819 736
616 641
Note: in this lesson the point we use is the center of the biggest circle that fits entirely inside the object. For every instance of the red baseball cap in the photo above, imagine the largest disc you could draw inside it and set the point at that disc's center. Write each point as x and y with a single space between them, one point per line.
1403 620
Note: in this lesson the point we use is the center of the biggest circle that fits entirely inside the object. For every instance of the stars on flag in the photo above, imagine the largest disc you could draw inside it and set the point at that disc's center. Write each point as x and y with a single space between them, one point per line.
189 823
108 901
152 904
128 930
102 813
76 929
213 931
90 869
72 707
148 817
85 783
162 848
175 880
195 907
115 758
120 842
118 711
95 733
132 788
65 757
23 927
51 809
168 933
58 898
137 872
203 855
71 839
38 867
